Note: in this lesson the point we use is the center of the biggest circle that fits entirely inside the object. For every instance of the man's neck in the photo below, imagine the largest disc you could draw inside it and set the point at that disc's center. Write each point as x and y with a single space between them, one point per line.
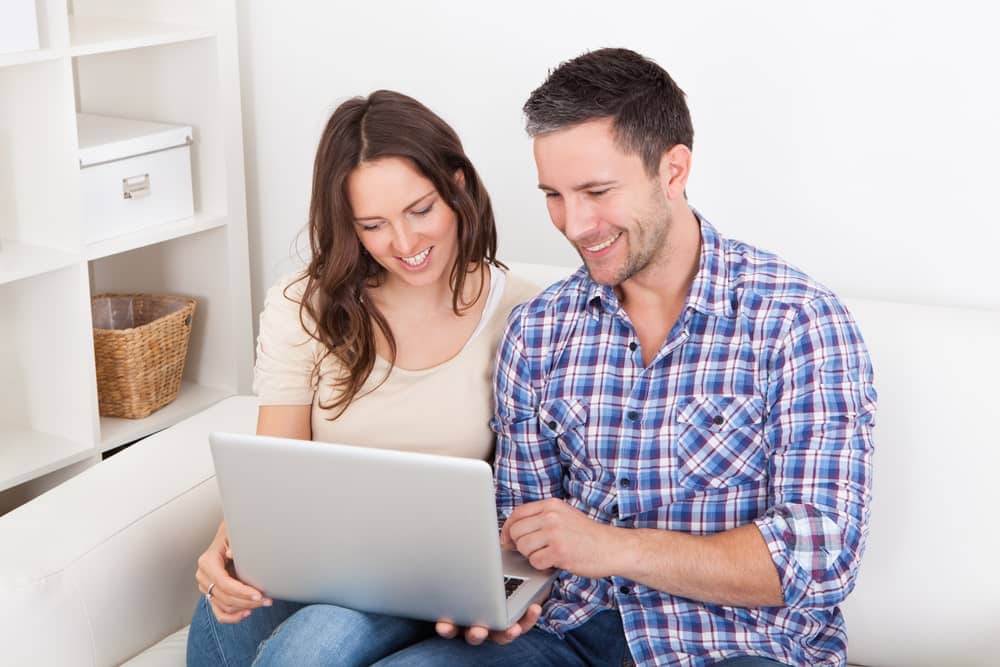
668 276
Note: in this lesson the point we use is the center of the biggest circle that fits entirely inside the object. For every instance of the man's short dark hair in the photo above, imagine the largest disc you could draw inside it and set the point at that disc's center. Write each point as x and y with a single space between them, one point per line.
647 108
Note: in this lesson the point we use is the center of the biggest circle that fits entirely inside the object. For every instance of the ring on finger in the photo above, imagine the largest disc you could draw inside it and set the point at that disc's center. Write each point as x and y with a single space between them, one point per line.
208 593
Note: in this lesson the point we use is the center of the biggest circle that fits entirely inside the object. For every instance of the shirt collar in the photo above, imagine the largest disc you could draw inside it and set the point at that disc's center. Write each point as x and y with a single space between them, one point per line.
709 291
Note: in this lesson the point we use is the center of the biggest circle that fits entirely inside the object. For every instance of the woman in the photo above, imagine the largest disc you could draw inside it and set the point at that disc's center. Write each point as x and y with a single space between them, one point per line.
403 242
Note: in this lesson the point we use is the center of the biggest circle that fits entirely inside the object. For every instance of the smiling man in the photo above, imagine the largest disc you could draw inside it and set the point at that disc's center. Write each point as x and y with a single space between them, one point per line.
684 426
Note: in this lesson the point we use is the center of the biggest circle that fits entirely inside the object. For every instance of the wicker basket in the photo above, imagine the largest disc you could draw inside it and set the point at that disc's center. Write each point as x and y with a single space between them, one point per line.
140 342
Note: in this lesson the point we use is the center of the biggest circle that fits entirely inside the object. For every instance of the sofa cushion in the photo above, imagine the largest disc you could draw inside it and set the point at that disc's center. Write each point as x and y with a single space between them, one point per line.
171 652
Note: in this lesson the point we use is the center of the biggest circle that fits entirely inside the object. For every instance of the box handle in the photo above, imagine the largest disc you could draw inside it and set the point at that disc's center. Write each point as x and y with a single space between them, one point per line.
135 187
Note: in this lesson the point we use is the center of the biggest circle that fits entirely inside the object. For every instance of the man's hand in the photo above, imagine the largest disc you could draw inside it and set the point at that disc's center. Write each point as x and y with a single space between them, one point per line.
477 634
551 533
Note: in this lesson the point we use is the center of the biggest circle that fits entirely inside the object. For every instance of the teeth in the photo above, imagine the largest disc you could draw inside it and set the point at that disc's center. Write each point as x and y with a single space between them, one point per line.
417 259
602 246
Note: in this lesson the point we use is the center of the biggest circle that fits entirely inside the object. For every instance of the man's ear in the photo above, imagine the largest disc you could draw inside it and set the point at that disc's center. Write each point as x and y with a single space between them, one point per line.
675 167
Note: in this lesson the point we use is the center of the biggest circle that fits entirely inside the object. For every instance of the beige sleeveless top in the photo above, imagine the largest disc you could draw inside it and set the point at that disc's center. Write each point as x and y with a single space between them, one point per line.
445 409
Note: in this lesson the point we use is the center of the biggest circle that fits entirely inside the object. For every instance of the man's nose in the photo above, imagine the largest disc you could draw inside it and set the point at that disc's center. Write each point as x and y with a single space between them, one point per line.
579 220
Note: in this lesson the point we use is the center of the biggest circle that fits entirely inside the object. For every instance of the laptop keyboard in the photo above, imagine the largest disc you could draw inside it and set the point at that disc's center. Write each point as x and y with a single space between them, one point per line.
511 584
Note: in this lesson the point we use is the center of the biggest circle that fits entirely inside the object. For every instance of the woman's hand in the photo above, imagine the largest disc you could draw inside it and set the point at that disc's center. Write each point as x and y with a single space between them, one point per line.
230 599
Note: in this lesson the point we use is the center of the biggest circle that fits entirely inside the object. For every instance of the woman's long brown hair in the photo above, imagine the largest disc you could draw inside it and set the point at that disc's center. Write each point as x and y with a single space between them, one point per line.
385 124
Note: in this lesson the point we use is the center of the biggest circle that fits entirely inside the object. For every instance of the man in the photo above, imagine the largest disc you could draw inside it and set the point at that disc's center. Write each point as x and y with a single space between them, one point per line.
684 425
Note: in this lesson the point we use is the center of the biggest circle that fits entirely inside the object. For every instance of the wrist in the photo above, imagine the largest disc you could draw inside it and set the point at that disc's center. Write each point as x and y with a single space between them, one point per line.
622 552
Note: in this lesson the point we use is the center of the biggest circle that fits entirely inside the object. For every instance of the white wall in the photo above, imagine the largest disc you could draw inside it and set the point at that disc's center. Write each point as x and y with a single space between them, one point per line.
859 140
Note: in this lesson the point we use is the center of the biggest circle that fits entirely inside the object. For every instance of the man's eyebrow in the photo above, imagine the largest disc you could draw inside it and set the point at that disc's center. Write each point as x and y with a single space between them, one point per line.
405 208
589 185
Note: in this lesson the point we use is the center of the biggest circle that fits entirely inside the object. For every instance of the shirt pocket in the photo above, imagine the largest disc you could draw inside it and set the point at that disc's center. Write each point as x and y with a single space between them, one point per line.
565 421
719 441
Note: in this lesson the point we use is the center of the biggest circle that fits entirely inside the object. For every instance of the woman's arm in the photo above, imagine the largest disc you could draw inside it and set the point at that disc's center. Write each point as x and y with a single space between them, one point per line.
231 599
285 421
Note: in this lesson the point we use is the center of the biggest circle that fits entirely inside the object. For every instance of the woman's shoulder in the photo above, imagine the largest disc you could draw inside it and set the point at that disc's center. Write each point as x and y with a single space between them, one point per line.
291 286
518 289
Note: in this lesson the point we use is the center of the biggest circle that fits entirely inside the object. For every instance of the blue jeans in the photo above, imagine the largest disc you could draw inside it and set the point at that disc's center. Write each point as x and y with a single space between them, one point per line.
599 641
289 633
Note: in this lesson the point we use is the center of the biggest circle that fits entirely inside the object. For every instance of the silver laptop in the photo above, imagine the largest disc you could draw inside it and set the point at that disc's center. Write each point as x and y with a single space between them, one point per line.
400 533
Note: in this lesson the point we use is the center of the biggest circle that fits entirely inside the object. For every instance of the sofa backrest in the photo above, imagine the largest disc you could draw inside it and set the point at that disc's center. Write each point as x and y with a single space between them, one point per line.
927 593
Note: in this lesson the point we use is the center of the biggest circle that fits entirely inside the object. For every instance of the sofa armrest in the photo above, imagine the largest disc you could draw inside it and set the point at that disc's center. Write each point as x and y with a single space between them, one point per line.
102 566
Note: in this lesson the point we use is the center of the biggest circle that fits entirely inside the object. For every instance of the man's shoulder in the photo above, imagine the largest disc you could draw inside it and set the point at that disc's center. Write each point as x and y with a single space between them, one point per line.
760 277
563 297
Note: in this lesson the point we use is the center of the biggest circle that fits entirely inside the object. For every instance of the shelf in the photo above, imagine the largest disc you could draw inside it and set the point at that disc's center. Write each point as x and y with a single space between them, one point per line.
99 34
28 57
192 399
22 260
165 231
27 454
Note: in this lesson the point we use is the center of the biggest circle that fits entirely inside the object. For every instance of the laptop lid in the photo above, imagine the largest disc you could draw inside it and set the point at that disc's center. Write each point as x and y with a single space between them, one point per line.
400 533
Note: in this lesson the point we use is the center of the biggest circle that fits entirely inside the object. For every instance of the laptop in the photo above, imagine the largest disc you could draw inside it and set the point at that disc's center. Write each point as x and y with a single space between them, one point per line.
401 533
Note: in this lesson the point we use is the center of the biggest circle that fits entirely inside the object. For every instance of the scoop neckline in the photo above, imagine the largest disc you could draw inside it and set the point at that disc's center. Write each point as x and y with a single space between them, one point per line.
469 342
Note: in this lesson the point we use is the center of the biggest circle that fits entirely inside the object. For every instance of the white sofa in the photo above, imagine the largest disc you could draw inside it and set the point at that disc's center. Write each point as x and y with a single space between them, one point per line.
100 570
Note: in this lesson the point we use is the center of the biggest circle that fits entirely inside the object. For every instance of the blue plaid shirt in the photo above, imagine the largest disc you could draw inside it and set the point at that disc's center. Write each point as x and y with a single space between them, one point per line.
758 407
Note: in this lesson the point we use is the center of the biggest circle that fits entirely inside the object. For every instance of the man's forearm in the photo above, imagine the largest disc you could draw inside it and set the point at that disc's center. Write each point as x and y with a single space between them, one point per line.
730 568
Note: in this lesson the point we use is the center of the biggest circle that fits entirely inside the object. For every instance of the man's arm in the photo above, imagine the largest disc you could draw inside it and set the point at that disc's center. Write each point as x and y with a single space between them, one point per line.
805 550
731 568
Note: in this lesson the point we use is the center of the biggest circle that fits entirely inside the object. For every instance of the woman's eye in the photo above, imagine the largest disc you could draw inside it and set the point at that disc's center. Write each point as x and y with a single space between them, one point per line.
370 228
425 210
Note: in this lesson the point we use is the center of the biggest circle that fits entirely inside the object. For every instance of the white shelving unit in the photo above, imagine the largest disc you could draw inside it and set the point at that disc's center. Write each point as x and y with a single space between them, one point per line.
172 61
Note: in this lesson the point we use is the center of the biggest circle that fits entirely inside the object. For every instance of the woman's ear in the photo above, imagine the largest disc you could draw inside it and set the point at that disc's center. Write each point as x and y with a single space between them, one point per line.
460 178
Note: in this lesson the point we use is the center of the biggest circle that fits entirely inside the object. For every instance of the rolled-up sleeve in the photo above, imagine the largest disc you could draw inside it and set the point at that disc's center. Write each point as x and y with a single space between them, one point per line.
285 368
527 465
821 408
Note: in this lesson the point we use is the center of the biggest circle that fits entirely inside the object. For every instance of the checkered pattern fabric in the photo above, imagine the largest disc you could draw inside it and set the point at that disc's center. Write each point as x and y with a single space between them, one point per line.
758 408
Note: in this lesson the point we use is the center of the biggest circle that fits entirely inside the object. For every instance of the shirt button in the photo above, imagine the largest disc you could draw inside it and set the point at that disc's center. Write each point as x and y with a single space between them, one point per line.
614 508
718 420
632 346
633 415
552 425
626 482
624 590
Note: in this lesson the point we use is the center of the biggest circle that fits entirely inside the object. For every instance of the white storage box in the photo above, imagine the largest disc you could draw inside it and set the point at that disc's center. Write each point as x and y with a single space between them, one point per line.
18 26
134 174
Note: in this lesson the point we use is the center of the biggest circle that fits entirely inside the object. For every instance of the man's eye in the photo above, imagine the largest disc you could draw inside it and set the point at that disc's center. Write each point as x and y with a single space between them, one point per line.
551 195
597 193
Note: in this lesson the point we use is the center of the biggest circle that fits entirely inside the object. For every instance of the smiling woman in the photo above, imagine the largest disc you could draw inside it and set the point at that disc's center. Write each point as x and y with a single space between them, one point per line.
387 339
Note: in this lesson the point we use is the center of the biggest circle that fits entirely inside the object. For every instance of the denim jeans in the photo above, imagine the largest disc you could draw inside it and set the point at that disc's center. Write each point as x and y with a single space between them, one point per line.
288 633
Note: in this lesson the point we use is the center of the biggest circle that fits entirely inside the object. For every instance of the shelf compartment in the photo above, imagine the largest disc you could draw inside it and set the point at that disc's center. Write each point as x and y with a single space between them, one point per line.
186 266
48 401
39 195
165 231
89 35
26 454
192 399
23 260
176 84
